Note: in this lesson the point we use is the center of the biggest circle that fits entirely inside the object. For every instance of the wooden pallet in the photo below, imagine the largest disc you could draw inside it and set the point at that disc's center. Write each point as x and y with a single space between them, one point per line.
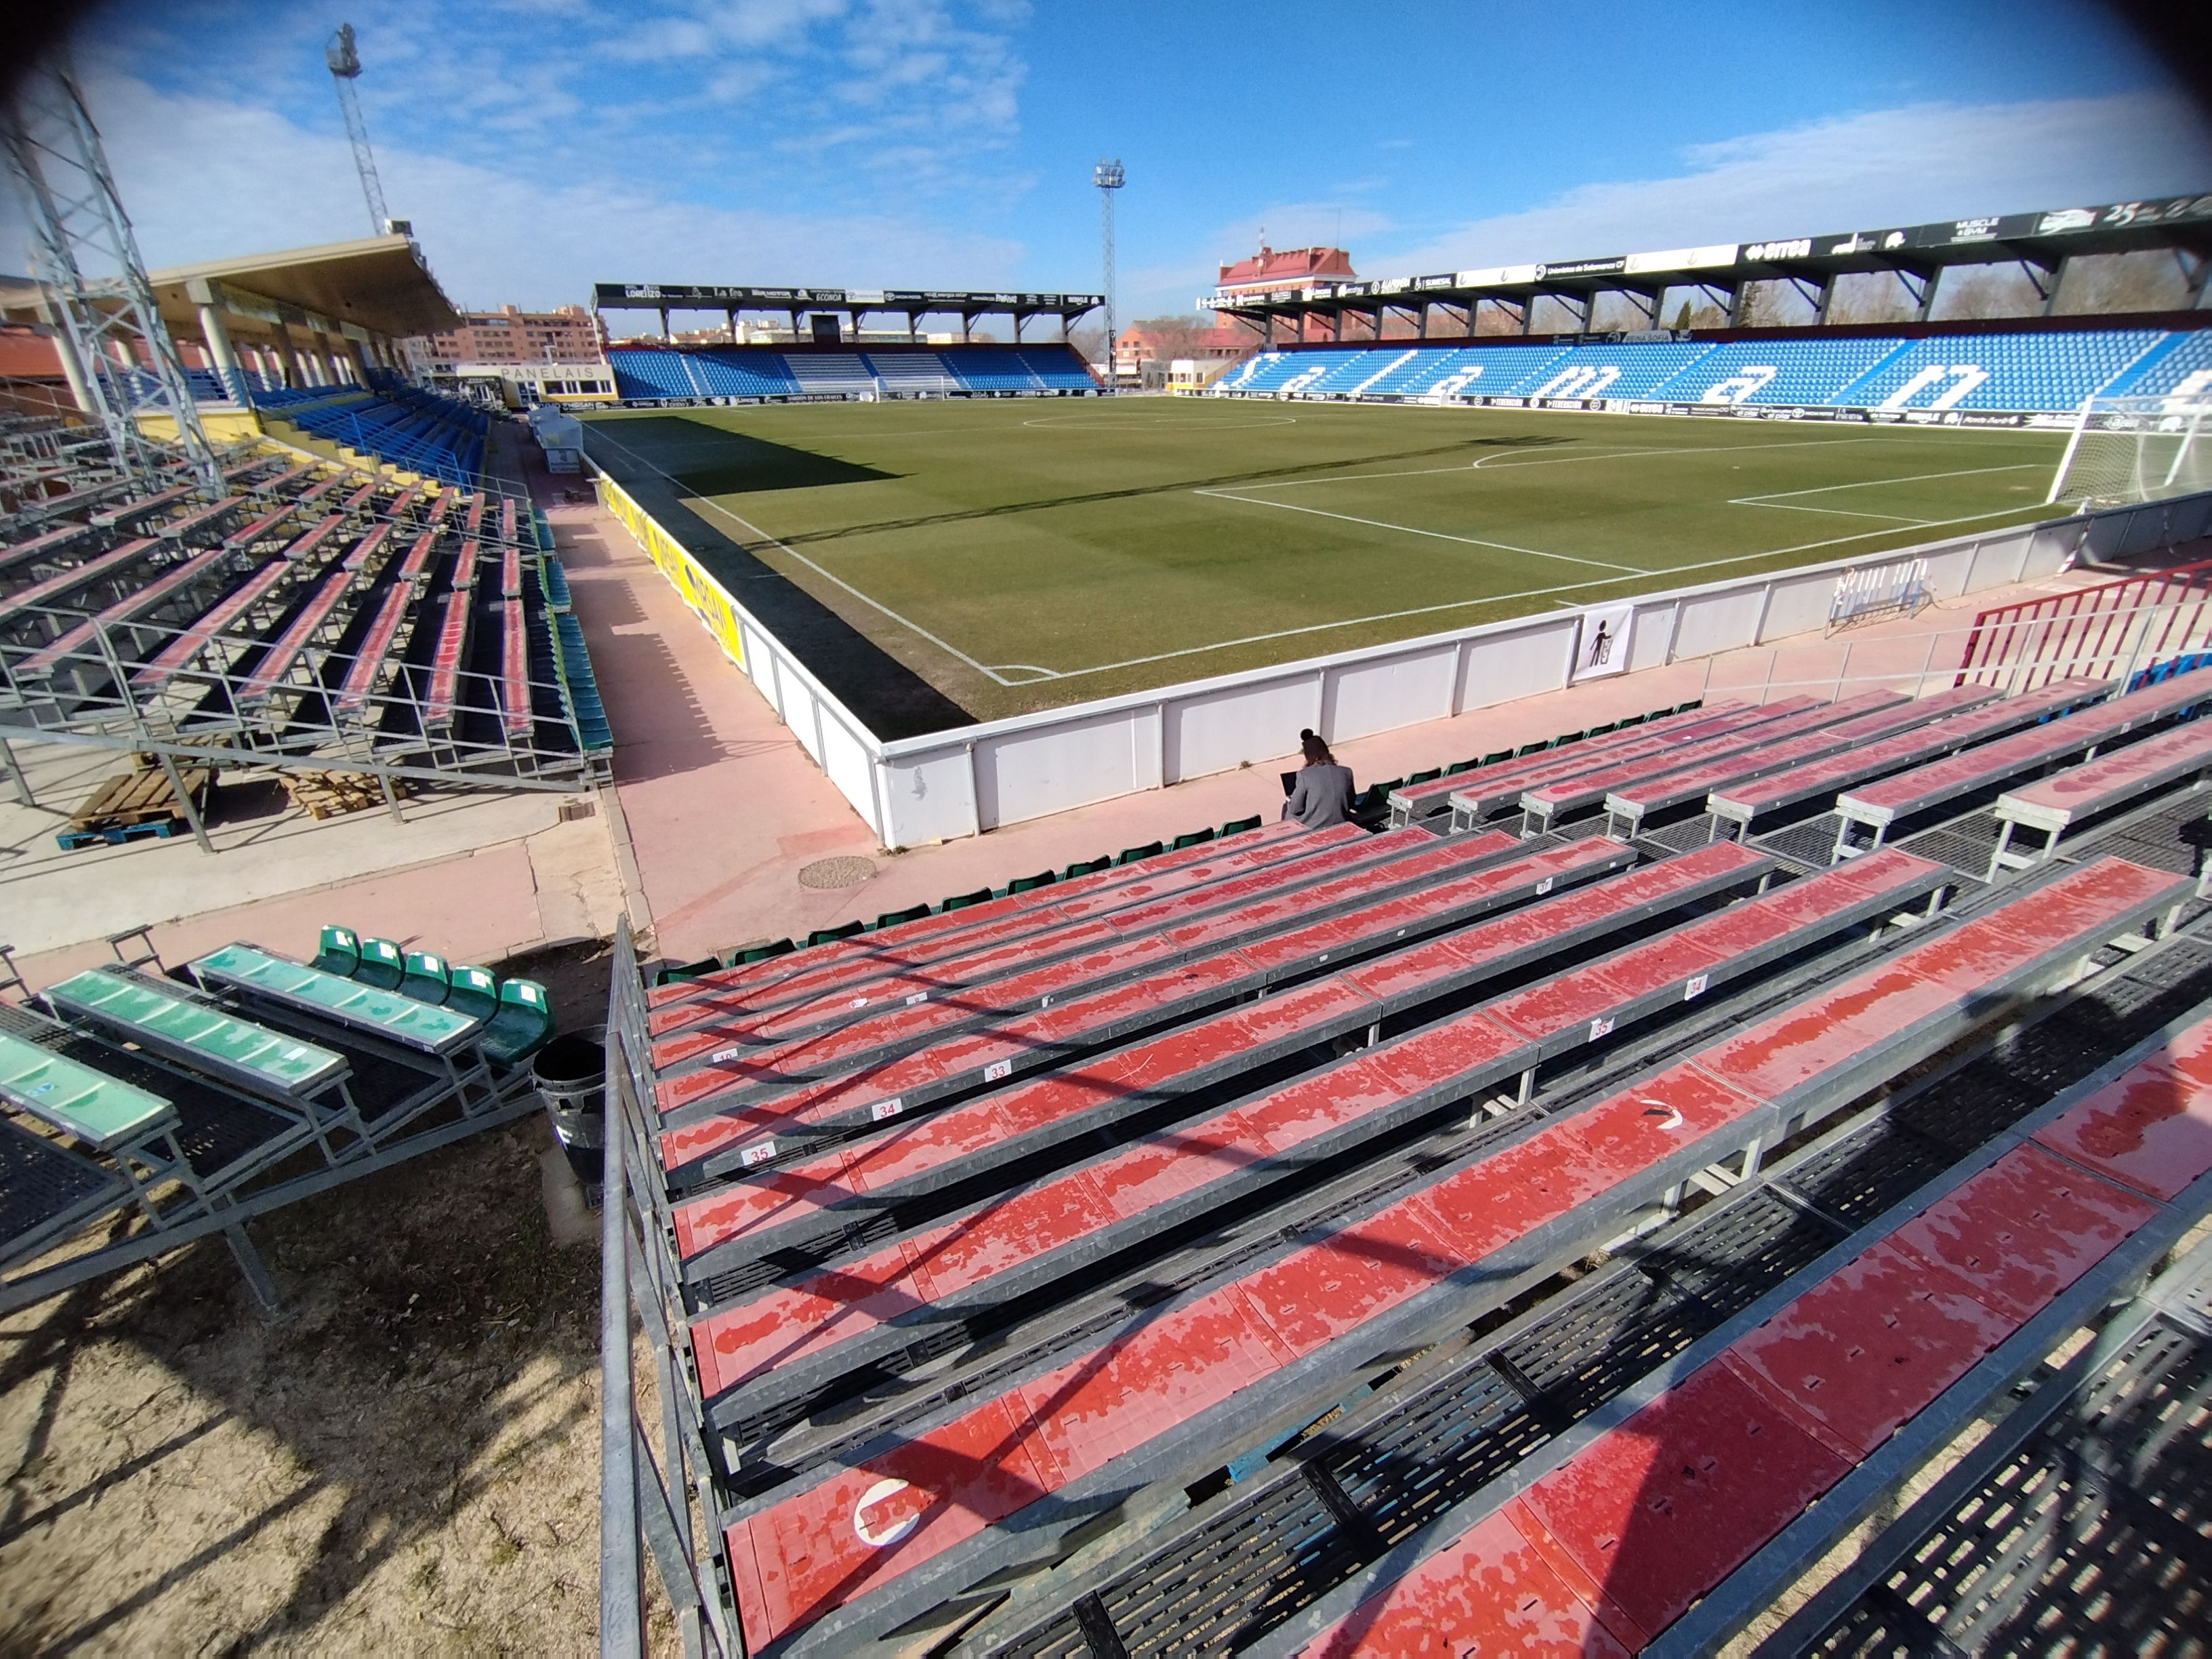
332 794
137 799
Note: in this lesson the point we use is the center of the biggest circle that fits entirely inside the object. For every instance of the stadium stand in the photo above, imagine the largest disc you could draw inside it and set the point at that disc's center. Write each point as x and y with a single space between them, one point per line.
314 615
2026 373
702 373
1031 1281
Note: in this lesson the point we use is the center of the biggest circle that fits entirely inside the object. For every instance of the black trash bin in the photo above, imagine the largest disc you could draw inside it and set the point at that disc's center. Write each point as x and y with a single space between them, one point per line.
571 1072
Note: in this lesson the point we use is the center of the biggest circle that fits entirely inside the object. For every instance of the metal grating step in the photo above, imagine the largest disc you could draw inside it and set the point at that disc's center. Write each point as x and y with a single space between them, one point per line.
1685 837
2092 1538
1809 845
1964 844
1864 1173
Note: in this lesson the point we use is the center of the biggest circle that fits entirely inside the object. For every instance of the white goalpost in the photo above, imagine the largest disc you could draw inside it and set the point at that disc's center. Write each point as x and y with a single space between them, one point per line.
2126 450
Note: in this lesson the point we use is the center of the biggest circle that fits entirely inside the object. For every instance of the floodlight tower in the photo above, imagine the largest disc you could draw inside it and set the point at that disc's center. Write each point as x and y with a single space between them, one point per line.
345 69
1106 175
121 363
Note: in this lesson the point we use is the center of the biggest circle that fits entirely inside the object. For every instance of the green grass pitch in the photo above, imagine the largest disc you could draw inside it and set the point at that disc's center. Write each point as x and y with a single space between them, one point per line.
1026 554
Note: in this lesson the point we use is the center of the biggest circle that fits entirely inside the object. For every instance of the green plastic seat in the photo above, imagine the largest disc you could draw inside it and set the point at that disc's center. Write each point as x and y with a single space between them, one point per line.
1238 826
522 1025
1085 867
1685 708
831 935
1429 776
1381 791
1131 855
425 979
1030 883
893 917
1497 756
1192 838
1458 766
338 953
1599 731
1628 720
473 992
1527 749
962 901
383 964
1577 737
781 947
683 972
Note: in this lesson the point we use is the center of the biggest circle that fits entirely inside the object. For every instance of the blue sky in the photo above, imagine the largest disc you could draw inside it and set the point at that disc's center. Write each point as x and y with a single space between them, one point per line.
540 145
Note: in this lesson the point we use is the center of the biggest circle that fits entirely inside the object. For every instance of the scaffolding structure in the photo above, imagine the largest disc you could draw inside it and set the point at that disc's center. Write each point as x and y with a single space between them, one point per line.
121 363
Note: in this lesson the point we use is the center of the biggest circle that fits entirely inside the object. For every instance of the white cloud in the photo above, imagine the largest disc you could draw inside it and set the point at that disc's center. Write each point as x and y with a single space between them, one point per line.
492 236
1897 166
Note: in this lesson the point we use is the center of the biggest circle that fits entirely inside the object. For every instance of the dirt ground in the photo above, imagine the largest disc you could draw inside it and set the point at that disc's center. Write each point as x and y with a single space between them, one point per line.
405 1458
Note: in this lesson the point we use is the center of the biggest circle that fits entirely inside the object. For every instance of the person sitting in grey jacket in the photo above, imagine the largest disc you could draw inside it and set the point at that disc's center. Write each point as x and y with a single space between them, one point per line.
1322 794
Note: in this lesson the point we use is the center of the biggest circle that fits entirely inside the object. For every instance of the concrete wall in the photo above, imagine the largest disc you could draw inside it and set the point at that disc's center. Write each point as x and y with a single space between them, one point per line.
978 777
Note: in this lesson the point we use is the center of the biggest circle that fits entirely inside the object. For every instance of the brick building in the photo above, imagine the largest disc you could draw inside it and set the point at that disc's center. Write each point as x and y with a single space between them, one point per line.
510 335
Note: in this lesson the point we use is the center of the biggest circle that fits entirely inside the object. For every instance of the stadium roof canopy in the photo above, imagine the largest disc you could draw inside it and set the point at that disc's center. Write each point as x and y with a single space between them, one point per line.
2039 243
852 303
378 283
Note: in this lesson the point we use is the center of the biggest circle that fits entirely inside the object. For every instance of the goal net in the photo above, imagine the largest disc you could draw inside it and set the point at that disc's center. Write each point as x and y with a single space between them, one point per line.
2126 450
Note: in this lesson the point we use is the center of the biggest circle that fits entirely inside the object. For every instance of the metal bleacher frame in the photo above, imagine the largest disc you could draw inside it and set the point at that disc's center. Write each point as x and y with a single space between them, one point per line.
353 1125
1732 1237
136 687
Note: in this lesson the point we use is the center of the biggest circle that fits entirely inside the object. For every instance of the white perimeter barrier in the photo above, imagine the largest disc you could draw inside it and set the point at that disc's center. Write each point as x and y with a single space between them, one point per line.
974 778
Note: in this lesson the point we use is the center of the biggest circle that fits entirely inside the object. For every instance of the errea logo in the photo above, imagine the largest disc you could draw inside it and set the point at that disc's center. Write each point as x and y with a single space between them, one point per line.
1800 249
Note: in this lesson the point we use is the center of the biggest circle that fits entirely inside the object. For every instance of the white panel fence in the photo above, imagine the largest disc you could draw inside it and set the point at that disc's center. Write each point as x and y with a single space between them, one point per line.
974 778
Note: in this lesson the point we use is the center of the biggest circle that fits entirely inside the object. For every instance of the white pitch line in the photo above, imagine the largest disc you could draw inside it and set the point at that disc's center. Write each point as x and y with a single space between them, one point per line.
1495 598
1875 483
1839 512
754 530
1435 535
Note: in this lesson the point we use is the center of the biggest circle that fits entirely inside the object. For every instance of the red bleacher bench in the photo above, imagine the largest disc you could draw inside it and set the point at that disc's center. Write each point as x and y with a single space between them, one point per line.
514 669
373 659
712 1121
1959 717
1787 717
310 540
823 1039
442 700
1410 803
48 660
796 1339
368 547
263 527
464 567
785 1207
415 569
1877 808
848 1548
1610 1548
269 675
1627 808
43 546
105 567
178 653
199 517
124 513
1492 789
2054 805
1028 927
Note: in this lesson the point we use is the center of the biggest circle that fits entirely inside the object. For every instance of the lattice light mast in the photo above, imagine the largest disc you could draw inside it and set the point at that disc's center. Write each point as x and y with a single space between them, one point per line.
1106 175
94 283
345 69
